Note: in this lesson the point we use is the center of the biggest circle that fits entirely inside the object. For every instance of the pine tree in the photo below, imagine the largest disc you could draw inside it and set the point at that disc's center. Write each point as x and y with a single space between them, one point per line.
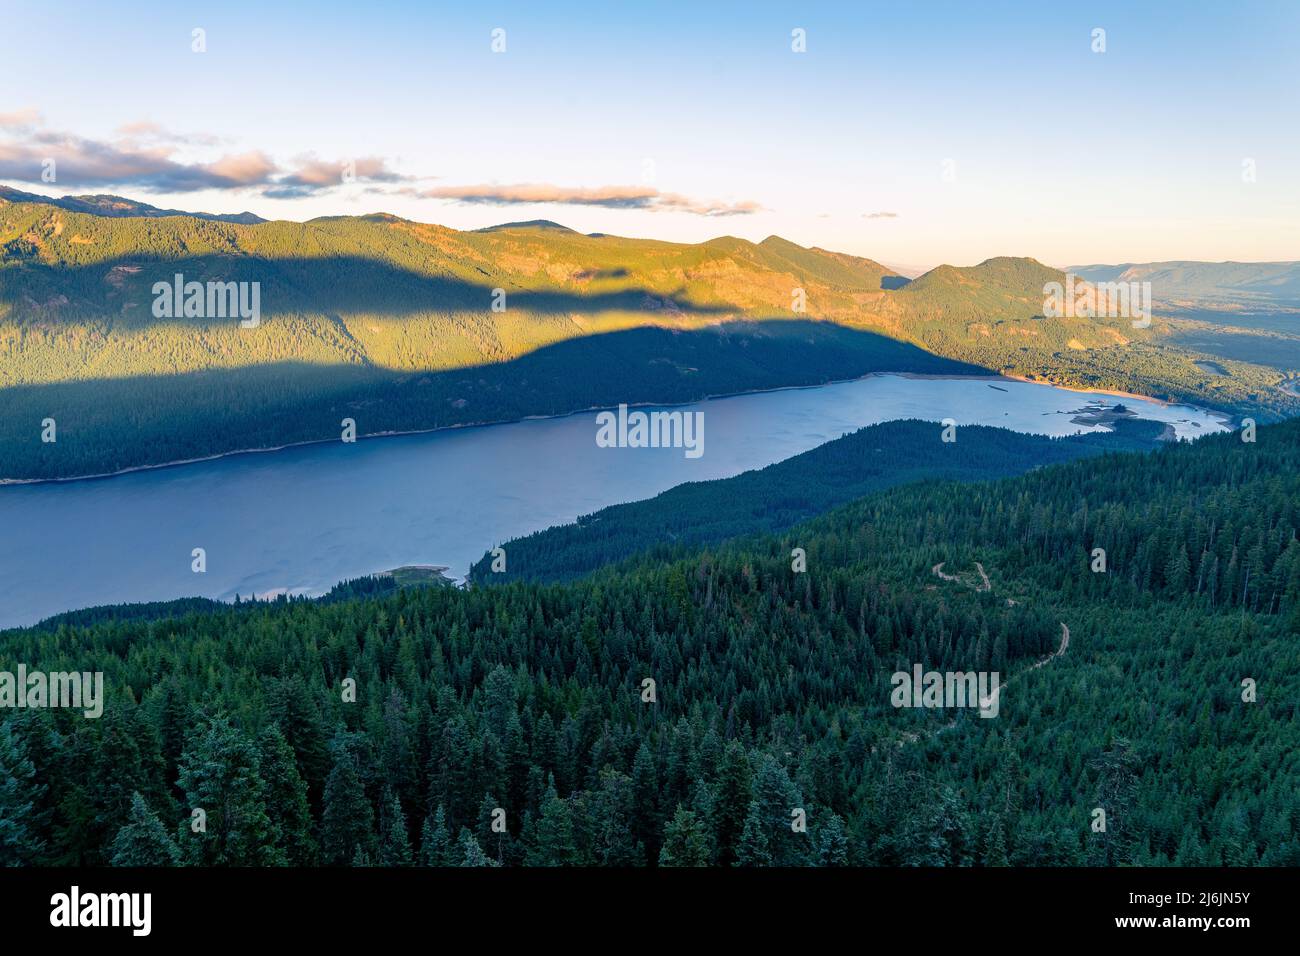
777 798
753 849
645 795
347 825
19 841
555 840
394 840
493 843
832 843
143 840
1116 769
290 708
286 799
474 855
615 843
995 841
221 774
732 805
435 841
684 843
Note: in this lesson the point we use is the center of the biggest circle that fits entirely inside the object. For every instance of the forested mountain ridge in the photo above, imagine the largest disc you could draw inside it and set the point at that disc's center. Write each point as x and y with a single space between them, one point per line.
1227 286
790 491
105 205
771 695
393 323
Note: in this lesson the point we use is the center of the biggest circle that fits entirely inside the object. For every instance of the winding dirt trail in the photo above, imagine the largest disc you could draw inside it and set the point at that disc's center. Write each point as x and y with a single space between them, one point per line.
993 698
912 736
986 586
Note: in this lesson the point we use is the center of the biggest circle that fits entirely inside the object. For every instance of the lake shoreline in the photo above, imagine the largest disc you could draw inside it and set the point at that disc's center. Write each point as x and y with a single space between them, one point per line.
486 424
1228 419
301 523
1225 417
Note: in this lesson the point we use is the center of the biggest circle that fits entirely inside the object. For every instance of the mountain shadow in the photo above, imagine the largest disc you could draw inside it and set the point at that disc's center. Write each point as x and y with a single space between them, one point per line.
111 424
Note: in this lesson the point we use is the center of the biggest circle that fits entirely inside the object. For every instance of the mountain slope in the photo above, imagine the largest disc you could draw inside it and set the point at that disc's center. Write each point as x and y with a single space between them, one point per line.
103 205
772 692
1228 286
783 494
356 313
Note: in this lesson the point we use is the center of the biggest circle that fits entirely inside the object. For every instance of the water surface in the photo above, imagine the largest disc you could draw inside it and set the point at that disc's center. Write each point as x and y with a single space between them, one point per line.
302 519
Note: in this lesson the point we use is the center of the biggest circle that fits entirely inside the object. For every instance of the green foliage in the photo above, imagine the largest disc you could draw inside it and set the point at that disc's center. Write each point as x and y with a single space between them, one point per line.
435 842
772 694
391 323
220 772
347 824
685 843
787 492
143 840
19 791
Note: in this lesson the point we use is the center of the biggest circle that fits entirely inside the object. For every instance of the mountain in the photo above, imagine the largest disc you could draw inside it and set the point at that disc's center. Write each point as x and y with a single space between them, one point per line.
680 711
1223 286
545 224
104 205
402 326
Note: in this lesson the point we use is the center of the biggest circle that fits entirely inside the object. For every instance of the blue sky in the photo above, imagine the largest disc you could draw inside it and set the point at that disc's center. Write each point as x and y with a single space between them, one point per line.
1056 151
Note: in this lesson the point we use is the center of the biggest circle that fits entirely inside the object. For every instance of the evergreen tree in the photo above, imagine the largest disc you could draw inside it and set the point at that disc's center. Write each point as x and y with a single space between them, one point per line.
616 844
347 825
754 845
645 797
286 799
493 843
474 855
555 840
832 843
1116 770
684 842
221 774
394 841
143 840
19 840
732 805
995 845
777 798
435 841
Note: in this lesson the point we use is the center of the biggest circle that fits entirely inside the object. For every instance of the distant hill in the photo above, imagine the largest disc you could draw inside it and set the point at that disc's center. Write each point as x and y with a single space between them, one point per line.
118 206
1208 285
528 224
103 205
402 326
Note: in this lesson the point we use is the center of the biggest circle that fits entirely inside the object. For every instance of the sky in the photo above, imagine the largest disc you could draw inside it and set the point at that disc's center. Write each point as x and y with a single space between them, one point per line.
913 133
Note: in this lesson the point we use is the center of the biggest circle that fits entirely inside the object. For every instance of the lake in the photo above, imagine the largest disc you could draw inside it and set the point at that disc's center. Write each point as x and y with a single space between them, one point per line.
302 519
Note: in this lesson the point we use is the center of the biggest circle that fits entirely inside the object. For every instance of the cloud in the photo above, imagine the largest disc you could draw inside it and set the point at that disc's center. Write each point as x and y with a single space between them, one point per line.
609 197
151 131
880 215
21 118
312 175
84 162
615 197
141 128
706 207
146 156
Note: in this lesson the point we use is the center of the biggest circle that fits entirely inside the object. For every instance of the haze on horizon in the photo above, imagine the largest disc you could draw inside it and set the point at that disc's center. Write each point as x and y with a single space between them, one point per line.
910 135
